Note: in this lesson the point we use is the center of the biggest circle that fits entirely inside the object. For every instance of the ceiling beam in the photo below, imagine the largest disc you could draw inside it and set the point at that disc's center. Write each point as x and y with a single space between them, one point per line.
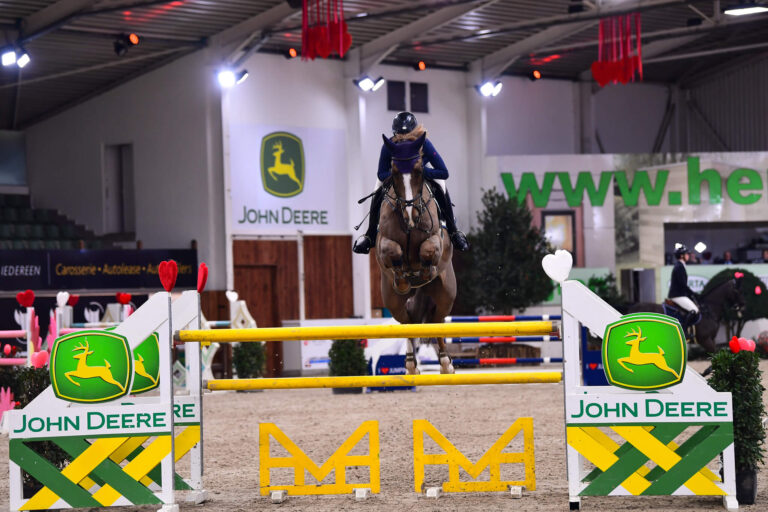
375 51
495 64
228 43
51 17
630 6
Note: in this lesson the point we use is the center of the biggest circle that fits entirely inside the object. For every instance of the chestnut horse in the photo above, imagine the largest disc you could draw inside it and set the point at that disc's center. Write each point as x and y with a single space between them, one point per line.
413 250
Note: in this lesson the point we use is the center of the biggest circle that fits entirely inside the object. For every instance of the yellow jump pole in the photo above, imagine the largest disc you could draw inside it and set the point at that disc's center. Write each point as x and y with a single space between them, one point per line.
464 379
368 332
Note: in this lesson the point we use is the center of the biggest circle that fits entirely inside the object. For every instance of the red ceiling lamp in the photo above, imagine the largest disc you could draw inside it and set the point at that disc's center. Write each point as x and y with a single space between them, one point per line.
619 60
324 31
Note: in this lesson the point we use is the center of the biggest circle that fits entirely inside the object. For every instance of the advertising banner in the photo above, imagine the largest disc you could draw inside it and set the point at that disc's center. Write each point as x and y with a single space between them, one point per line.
286 179
92 269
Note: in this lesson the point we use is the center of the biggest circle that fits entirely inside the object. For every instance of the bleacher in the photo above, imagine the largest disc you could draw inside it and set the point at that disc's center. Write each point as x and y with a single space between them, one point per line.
24 227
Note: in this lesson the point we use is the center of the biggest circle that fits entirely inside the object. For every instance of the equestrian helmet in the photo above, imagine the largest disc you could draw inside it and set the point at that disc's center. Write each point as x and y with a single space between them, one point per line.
403 123
680 249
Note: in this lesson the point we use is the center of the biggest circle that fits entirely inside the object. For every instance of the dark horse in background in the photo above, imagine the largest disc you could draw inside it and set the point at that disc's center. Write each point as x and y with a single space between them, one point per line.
413 250
713 305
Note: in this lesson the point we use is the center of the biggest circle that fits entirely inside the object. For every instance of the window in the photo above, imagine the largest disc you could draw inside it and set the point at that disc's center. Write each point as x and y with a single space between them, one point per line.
395 95
419 97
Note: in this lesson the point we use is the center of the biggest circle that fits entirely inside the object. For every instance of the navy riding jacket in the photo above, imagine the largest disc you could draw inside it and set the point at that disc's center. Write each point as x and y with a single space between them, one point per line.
438 170
678 286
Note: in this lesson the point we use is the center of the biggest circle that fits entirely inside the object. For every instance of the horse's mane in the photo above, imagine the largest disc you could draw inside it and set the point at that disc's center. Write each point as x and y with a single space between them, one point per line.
727 282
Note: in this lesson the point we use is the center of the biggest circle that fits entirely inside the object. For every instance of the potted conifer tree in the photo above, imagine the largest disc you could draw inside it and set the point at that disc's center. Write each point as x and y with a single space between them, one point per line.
249 359
737 371
347 357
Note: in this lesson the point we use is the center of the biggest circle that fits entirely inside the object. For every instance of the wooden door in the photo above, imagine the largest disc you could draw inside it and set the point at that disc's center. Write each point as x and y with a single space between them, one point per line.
257 286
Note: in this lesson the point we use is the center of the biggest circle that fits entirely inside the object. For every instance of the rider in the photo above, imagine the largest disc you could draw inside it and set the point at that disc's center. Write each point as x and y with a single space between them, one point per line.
679 291
405 127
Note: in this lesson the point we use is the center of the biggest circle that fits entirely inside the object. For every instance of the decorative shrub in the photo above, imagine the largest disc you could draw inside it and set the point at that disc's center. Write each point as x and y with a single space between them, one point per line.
347 358
249 359
740 374
605 288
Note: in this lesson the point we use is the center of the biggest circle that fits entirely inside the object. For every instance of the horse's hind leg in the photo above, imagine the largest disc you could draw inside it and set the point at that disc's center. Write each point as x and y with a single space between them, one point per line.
445 360
411 366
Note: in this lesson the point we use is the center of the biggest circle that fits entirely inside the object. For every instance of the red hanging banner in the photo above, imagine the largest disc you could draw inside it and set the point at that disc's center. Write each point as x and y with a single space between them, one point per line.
617 60
323 29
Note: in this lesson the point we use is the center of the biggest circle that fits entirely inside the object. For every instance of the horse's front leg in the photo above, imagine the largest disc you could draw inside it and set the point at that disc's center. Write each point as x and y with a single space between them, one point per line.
430 252
390 254
442 355
411 366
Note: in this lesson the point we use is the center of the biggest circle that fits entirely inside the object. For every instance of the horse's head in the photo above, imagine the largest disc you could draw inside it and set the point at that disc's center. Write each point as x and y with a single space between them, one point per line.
406 154
727 296
735 296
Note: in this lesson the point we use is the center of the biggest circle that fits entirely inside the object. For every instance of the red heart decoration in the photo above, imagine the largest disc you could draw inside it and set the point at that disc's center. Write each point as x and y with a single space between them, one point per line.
202 277
601 72
7 350
72 299
734 345
346 40
323 42
40 359
334 30
738 275
123 298
168 270
385 371
592 366
26 299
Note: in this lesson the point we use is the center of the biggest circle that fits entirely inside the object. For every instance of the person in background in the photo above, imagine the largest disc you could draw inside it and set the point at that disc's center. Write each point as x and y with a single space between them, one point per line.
764 258
679 291
727 259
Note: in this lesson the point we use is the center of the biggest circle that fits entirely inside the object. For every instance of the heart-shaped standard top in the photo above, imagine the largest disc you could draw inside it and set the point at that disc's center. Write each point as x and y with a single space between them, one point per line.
232 295
734 345
202 277
168 271
738 275
62 298
123 298
558 265
26 298
73 299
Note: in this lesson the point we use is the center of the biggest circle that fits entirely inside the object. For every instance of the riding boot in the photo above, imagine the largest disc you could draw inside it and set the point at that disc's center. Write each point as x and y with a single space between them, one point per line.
458 239
365 243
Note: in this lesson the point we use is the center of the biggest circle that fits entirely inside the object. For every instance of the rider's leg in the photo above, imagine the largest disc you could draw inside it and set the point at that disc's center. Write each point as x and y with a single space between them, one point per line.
690 309
458 238
364 244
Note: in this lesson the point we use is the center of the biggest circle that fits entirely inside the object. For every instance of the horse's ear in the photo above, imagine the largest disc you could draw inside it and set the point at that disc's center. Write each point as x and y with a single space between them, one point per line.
390 145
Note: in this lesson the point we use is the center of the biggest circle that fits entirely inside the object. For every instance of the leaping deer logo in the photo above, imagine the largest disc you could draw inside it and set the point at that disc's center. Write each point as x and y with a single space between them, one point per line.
83 371
281 168
638 358
138 365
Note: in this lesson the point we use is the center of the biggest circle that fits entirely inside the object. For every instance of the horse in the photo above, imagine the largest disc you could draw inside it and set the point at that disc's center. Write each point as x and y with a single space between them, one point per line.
413 250
713 306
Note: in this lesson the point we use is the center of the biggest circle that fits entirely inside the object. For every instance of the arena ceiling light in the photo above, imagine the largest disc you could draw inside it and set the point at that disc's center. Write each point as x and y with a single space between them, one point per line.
700 247
9 57
367 83
241 76
23 59
745 8
490 88
226 78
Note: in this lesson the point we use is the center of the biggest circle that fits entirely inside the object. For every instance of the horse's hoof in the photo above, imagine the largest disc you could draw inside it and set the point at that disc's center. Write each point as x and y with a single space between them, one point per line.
447 369
411 368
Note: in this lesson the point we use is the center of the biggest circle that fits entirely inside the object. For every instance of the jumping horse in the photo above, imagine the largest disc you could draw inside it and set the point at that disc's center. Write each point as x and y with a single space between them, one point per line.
413 250
713 306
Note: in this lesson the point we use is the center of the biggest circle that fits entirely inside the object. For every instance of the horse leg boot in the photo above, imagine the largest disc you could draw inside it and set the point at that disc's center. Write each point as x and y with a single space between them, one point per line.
445 360
365 243
411 367
458 239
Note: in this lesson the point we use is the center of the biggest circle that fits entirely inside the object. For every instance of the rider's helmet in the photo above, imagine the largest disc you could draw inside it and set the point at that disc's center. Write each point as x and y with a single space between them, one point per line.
403 123
680 249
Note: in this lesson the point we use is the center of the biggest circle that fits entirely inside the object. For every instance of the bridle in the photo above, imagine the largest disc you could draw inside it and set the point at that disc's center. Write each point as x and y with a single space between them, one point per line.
399 204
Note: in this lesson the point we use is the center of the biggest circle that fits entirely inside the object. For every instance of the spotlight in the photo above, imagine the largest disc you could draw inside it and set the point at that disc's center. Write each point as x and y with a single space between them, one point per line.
9 57
291 53
226 78
367 83
123 42
23 59
745 8
420 66
241 76
700 247
535 74
490 88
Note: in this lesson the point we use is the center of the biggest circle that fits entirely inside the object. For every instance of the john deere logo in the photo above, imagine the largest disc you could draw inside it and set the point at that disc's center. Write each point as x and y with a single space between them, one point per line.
91 366
146 365
282 164
644 351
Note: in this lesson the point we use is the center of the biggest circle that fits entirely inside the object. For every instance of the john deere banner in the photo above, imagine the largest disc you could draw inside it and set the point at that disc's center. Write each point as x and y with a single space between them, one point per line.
621 202
284 179
77 270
